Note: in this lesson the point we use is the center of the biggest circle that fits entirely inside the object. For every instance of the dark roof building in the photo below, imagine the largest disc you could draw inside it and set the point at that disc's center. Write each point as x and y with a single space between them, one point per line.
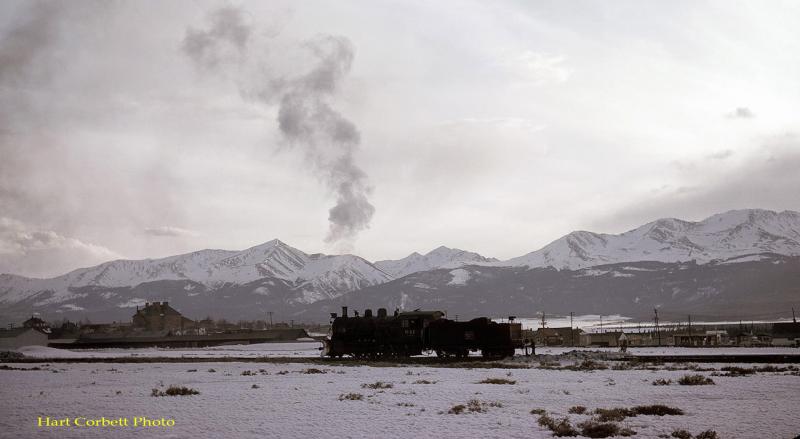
159 316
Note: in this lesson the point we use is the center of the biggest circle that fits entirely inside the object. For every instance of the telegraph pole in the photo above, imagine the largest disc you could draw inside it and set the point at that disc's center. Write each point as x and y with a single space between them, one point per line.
270 318
572 333
658 332
794 319
543 322
690 330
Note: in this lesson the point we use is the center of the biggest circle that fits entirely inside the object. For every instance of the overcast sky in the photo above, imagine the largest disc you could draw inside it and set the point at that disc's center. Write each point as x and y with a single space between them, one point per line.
146 129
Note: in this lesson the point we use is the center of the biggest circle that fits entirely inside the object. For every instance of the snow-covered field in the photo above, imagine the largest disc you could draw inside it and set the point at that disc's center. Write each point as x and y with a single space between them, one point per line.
312 349
284 401
294 349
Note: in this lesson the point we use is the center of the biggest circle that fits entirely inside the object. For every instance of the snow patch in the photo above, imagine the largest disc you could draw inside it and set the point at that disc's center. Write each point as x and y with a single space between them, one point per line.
460 277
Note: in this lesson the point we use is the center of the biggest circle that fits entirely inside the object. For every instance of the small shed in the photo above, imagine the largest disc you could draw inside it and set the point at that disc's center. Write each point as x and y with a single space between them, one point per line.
13 339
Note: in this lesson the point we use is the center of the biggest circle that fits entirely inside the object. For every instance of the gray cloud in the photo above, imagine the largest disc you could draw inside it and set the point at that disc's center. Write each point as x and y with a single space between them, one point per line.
720 155
31 251
225 38
306 117
767 179
168 231
741 113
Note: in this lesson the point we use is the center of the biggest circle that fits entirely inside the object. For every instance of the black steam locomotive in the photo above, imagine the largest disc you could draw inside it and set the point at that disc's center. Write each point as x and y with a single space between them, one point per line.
411 333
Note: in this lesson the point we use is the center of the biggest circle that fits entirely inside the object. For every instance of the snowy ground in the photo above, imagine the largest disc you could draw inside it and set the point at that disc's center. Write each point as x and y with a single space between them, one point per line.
280 400
311 349
294 349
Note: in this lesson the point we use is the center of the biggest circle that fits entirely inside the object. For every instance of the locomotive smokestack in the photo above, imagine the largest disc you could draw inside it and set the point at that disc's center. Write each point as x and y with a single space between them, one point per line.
344 311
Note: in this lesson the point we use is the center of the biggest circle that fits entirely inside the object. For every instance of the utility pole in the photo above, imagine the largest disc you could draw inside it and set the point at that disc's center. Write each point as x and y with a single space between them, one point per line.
543 322
690 330
794 319
572 332
270 318
601 325
658 332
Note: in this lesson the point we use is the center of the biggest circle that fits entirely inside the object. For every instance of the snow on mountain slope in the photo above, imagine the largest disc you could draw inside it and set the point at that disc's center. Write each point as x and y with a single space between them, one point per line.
328 276
441 257
721 236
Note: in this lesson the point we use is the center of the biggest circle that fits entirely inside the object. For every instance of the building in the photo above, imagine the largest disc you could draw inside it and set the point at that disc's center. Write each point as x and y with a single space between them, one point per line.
707 338
786 334
36 323
564 336
605 339
12 339
159 316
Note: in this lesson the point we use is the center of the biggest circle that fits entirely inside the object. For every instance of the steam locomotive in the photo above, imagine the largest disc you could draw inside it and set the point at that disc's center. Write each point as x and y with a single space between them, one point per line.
405 334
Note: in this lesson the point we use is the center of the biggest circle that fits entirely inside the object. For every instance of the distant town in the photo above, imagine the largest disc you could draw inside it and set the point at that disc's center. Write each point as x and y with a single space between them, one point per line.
157 324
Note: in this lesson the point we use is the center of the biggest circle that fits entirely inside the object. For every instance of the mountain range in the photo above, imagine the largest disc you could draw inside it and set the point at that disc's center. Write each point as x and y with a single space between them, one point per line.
670 263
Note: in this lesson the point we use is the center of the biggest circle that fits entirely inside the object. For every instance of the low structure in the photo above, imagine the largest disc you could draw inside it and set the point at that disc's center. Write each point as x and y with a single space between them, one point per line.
12 339
159 316
786 334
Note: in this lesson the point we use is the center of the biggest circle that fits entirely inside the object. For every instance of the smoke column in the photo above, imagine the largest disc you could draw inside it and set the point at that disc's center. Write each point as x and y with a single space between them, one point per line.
305 116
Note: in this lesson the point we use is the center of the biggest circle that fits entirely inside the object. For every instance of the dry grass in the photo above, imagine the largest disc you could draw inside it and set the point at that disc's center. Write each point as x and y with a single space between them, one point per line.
539 412
595 429
377 385
681 434
313 370
695 380
351 397
613 415
424 382
708 434
497 381
577 410
656 410
662 382
175 391
560 428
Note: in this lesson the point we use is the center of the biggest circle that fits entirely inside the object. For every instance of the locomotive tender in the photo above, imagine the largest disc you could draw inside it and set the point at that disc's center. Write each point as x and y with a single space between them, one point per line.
411 333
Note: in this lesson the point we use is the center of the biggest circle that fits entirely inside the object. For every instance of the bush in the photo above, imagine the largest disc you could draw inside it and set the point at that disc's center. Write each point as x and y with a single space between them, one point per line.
598 429
708 434
377 385
656 410
212 370
497 381
662 382
560 428
313 370
589 364
615 414
538 412
255 386
424 382
627 432
738 371
248 373
351 397
175 391
473 405
457 409
577 410
695 380
681 434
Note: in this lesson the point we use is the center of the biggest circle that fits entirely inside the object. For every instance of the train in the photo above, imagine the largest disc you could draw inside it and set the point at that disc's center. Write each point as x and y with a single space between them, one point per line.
410 333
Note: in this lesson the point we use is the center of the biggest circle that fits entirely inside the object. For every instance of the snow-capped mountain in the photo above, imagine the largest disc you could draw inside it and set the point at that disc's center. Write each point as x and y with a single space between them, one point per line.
314 276
722 236
441 257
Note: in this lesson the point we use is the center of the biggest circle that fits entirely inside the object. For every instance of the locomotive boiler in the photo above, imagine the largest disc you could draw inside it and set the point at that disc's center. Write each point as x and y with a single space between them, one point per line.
405 334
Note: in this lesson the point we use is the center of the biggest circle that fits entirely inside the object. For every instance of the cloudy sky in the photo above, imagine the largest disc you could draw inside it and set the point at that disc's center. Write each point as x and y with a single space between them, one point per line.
130 129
